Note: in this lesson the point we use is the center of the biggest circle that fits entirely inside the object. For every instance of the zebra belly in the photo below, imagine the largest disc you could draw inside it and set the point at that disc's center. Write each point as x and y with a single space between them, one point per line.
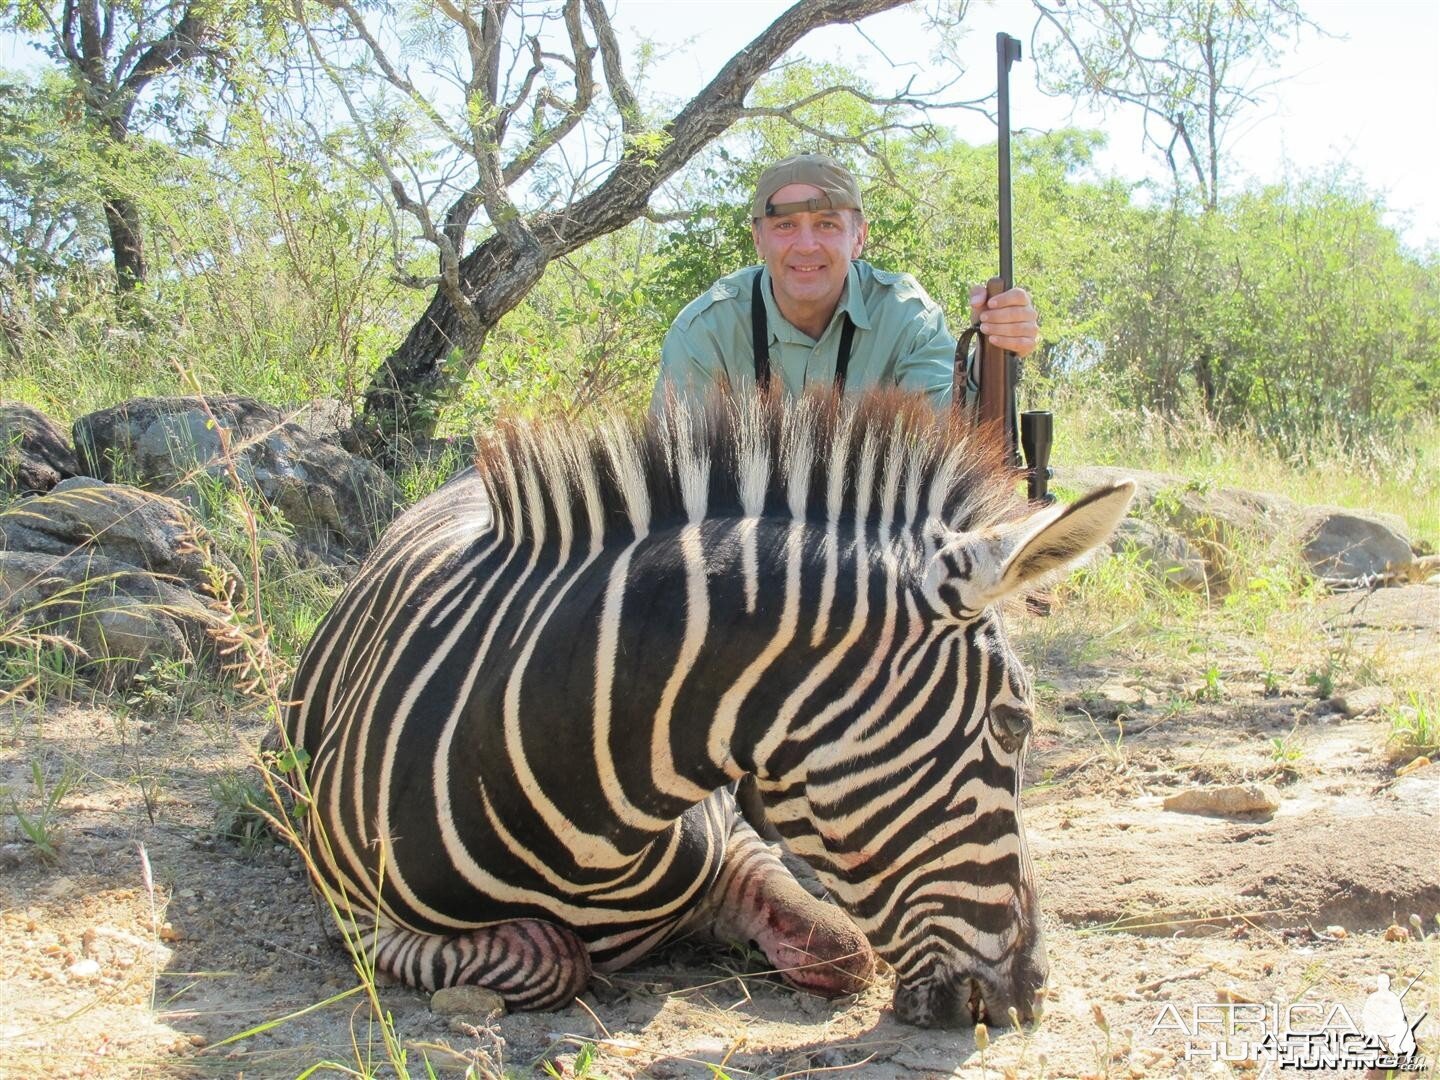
430 759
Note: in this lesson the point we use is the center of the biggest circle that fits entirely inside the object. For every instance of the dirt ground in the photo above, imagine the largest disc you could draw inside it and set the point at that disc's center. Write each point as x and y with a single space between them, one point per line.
214 961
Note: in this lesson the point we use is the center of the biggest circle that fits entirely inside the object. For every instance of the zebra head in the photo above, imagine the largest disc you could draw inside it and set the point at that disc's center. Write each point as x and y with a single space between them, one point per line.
931 854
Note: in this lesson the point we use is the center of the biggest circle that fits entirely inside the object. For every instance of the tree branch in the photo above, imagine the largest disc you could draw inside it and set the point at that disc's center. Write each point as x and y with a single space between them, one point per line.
620 91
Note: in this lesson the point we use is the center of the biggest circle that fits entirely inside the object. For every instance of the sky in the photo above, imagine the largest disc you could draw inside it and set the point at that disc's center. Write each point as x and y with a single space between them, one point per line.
1368 96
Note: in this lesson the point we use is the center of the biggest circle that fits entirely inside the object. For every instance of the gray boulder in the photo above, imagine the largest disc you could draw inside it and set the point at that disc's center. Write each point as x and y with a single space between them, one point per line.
128 577
336 503
1344 546
35 453
1169 553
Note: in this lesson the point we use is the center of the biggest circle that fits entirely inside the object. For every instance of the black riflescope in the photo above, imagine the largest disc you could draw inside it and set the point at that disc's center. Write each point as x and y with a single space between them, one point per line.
1037 432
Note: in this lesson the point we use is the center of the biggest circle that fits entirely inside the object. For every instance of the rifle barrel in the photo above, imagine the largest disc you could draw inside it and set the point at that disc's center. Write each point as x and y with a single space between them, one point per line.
1007 51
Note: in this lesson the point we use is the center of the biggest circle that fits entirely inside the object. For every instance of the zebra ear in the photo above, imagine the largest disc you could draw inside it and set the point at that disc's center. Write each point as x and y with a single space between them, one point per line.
1015 555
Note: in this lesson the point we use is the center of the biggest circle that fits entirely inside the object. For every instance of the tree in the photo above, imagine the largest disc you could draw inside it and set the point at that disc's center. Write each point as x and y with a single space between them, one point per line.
520 127
113 53
1186 64
49 221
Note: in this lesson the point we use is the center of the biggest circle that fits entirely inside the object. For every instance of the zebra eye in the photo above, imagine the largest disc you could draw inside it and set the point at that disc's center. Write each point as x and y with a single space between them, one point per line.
1011 724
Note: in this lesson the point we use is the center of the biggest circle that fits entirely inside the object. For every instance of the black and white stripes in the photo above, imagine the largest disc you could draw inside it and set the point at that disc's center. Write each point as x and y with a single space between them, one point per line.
532 717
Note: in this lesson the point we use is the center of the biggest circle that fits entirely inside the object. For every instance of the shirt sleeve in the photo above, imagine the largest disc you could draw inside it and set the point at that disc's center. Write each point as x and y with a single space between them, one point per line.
928 363
688 370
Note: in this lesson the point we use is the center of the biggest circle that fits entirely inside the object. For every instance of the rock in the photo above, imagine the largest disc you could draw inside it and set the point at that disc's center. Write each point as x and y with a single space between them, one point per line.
324 418
35 453
1164 549
1226 800
473 1003
1396 932
1208 521
1419 788
84 969
129 577
1109 700
1342 545
336 503
121 524
1366 699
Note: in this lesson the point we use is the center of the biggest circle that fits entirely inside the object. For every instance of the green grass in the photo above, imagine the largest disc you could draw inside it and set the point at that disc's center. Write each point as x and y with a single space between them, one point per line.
1415 726
37 812
1399 476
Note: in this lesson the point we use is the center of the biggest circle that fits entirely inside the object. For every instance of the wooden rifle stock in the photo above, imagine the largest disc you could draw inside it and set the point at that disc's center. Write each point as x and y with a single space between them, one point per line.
995 401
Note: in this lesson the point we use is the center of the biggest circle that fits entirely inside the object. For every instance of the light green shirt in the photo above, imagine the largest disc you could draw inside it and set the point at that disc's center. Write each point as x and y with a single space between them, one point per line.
900 340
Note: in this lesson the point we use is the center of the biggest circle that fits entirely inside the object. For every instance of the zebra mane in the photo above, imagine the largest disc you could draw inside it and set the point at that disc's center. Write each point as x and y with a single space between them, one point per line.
885 457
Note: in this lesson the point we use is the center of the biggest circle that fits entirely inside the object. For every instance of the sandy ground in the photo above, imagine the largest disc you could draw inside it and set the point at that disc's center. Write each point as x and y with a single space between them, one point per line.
193 967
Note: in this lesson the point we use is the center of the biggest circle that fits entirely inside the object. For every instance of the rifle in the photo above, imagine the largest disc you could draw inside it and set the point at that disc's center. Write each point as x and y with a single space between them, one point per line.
999 370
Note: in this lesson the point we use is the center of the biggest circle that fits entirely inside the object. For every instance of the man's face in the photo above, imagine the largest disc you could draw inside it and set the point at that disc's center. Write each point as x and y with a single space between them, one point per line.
808 254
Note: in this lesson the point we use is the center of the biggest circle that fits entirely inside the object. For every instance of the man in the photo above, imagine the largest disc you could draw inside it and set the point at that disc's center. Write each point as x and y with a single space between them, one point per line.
815 313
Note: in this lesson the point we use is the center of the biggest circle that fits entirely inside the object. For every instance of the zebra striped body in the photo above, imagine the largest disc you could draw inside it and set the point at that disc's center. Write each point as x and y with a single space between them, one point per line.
531 718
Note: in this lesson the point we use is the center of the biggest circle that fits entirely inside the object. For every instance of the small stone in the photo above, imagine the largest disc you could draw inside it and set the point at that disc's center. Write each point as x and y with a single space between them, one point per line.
1396 932
1225 800
1367 699
58 888
474 1002
169 932
83 969
1116 697
1339 933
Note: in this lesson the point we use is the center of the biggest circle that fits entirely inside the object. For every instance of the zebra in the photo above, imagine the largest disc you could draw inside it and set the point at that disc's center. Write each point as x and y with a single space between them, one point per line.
525 718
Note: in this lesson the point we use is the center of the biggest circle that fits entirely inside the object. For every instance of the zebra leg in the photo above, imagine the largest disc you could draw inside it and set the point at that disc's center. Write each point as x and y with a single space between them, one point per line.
812 943
533 965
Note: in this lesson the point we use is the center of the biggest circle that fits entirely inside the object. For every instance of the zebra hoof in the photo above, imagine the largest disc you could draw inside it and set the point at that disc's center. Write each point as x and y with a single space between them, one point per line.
951 1001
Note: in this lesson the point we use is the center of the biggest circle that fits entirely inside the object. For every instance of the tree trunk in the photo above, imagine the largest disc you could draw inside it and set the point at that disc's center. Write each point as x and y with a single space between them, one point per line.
404 396
1205 379
122 216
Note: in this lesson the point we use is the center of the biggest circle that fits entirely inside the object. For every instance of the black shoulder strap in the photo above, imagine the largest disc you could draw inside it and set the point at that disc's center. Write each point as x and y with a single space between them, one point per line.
842 359
760 340
760 333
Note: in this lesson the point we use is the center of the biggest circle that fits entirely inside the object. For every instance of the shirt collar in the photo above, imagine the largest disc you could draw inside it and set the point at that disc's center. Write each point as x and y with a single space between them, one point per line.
851 303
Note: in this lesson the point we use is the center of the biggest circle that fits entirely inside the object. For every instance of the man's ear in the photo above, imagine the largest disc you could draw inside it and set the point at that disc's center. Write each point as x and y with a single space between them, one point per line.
862 235
974 570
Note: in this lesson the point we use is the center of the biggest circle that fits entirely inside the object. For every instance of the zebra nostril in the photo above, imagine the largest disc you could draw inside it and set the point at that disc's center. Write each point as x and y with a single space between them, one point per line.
1011 725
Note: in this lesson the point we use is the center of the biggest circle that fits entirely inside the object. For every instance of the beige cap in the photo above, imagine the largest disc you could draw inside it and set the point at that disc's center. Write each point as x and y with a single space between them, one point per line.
841 192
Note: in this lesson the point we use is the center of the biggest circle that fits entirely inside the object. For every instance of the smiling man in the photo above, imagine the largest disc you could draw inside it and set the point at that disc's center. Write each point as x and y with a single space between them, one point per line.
814 312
